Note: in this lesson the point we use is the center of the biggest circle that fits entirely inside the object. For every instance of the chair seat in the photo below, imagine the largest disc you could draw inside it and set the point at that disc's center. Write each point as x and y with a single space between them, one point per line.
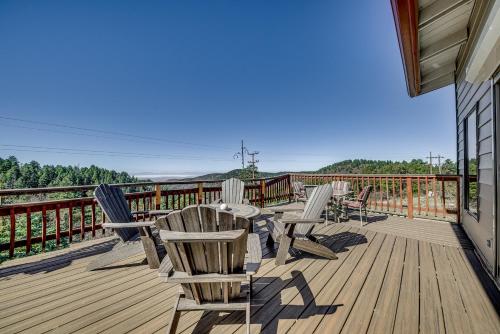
352 204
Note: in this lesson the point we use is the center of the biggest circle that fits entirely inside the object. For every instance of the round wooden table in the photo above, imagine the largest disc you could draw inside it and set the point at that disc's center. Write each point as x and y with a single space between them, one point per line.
242 210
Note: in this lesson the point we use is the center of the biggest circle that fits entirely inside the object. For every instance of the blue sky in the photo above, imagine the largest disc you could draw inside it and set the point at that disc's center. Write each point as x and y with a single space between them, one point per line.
173 86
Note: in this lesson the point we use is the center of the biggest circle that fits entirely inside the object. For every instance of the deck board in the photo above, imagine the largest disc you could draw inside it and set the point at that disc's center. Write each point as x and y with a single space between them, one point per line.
392 275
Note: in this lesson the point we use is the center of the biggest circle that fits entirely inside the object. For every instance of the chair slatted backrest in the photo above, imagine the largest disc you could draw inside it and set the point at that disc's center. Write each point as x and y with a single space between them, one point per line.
233 191
194 258
315 205
112 201
298 188
364 194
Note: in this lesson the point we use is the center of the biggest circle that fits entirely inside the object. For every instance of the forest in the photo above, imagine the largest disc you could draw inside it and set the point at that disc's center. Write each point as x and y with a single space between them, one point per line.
14 174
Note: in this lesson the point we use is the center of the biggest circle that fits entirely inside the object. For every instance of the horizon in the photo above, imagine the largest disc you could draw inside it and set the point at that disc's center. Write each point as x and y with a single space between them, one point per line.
185 174
167 88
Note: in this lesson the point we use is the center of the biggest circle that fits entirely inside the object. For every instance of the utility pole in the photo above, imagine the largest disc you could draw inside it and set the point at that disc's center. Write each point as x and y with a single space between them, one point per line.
241 155
439 157
253 162
430 161
430 157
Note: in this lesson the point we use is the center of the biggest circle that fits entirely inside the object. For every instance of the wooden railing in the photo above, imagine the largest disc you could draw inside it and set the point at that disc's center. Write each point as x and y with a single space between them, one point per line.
38 219
32 218
427 196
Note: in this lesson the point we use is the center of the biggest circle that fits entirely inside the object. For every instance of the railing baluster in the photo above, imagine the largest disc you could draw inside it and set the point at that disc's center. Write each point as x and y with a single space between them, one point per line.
82 222
434 195
387 192
70 222
44 227
12 232
418 195
401 194
58 225
409 196
28 230
93 219
426 196
443 197
381 193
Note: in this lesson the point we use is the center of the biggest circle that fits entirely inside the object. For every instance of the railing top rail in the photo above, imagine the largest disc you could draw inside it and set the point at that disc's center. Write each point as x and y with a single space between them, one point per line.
377 175
33 191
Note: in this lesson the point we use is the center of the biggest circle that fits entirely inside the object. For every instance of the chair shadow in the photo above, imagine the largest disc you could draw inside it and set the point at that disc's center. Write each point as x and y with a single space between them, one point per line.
338 243
287 312
56 262
372 218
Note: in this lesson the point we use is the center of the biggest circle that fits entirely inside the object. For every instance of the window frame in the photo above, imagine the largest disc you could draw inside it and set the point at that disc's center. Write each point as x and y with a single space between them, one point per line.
474 110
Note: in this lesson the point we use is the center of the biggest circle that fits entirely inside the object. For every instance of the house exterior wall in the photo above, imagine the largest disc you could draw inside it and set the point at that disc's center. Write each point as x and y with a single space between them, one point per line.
479 97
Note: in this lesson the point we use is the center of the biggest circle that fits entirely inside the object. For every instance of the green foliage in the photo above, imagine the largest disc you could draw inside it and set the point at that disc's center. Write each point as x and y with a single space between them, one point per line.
14 174
361 166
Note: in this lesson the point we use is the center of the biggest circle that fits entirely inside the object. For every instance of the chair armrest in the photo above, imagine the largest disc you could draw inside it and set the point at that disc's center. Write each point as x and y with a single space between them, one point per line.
226 236
301 221
129 225
217 201
139 212
159 212
254 251
281 210
246 201
166 267
151 212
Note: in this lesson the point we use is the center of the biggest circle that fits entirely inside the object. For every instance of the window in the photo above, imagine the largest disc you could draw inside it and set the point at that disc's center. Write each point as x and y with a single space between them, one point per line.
471 185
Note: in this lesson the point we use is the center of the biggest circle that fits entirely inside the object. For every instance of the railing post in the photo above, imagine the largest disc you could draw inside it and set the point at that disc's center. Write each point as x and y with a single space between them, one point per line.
262 192
409 193
158 197
200 192
290 192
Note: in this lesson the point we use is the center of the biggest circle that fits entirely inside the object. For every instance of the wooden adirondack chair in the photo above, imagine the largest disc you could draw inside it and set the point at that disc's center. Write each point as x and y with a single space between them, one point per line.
212 254
135 237
299 191
232 192
360 203
296 231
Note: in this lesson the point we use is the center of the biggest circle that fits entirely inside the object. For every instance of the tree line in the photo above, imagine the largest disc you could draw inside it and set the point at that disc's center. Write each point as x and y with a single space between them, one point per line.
361 166
14 174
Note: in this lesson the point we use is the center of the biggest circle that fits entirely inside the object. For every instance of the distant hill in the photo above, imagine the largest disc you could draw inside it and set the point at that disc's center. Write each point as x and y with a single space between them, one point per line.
233 173
361 166
14 174
356 166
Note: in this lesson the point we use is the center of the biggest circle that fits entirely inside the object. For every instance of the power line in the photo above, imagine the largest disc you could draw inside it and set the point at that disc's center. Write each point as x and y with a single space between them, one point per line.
120 136
73 151
113 133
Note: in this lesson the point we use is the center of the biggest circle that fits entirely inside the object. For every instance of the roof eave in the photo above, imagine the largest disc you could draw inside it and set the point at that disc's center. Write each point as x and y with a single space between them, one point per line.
405 14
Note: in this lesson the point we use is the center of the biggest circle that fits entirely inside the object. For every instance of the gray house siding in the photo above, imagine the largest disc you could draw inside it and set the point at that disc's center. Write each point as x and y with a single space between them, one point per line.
470 97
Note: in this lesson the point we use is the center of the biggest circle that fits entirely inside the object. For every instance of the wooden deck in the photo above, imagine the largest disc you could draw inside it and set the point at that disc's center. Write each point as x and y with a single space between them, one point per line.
389 278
